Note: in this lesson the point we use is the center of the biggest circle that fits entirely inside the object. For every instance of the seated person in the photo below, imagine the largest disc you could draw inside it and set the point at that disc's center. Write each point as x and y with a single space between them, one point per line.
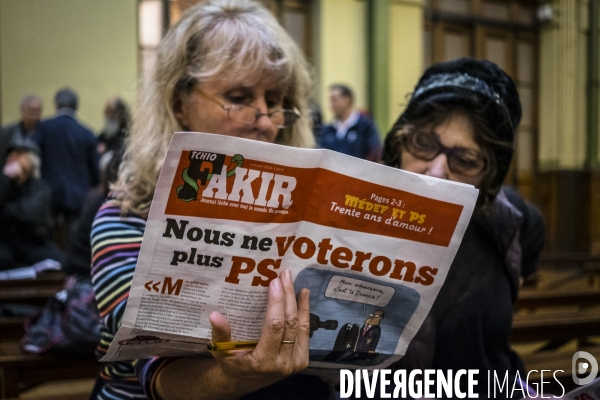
25 209
226 67
460 125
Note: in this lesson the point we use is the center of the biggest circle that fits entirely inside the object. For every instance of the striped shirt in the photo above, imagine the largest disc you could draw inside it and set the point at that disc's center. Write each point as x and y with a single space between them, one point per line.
116 241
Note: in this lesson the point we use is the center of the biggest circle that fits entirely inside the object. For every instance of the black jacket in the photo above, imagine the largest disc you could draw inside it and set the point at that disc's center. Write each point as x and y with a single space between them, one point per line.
25 210
69 161
469 324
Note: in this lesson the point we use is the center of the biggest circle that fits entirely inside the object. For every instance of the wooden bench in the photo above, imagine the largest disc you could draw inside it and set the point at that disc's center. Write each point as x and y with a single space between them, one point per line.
25 295
567 258
585 264
35 296
592 270
532 299
20 370
557 366
553 361
62 397
52 279
555 325
557 316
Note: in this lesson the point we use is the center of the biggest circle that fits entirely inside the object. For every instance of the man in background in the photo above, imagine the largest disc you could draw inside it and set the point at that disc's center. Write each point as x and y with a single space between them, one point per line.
351 132
116 124
69 157
31 112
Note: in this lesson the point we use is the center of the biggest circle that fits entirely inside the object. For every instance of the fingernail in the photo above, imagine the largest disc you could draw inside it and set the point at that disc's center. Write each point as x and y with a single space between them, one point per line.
275 283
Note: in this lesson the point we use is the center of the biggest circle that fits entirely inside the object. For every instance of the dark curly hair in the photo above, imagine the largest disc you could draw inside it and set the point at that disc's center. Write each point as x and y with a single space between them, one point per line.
478 89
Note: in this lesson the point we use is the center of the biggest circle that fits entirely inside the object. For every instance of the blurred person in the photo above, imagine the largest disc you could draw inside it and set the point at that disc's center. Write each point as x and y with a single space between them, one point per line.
69 325
78 259
351 132
69 157
31 113
226 67
460 125
116 123
25 208
316 118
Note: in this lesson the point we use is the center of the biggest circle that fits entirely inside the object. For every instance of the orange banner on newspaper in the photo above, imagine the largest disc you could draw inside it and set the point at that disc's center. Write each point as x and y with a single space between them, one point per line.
212 185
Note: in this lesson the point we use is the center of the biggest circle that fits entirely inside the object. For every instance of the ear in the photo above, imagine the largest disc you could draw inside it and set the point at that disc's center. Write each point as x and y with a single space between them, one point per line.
181 110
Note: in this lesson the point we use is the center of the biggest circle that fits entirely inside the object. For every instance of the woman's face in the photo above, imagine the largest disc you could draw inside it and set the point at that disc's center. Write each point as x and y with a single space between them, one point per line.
456 132
201 111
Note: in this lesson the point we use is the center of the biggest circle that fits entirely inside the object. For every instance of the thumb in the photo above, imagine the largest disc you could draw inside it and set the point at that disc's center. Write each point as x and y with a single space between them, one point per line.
221 330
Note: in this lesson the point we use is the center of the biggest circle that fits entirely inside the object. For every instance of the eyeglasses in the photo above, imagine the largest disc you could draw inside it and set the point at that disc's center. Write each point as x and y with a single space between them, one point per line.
375 316
248 115
427 146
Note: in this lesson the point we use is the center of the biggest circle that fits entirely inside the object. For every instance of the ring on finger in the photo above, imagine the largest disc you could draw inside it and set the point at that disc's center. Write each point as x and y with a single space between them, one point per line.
288 341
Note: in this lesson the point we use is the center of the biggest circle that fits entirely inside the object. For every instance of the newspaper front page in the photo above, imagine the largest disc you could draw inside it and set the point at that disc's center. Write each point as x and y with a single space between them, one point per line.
372 243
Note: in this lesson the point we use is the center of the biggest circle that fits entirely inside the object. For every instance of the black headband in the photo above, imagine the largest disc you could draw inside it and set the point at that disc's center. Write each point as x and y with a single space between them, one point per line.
463 81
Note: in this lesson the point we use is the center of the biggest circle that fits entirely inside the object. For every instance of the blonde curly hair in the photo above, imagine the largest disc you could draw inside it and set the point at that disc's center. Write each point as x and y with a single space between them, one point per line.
213 38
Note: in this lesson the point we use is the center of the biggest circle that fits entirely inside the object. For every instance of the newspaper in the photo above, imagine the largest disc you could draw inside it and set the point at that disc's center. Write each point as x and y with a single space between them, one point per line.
591 391
372 243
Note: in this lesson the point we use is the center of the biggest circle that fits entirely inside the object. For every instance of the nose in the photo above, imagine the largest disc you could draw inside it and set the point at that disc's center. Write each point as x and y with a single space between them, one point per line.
438 167
263 123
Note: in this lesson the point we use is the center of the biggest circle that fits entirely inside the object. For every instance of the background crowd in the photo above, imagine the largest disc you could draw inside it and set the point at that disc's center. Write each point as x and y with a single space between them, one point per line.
53 167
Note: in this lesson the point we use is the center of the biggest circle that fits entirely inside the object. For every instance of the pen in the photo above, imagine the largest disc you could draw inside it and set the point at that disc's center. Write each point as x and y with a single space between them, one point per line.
217 346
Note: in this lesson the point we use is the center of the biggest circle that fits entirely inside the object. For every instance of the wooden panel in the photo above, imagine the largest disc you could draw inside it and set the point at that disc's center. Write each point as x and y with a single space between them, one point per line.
525 152
525 61
451 42
487 29
462 7
524 13
594 220
527 134
545 199
566 202
294 22
295 17
527 96
427 46
494 9
495 45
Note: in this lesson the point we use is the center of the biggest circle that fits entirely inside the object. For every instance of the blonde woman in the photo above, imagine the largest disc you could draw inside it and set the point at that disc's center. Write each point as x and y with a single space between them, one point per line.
226 67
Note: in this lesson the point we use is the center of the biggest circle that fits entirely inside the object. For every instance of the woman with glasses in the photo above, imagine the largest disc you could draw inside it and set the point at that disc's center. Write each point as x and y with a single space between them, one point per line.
226 67
460 125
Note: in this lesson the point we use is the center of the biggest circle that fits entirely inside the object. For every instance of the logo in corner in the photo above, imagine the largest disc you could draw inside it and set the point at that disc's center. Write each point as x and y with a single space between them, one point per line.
203 165
582 363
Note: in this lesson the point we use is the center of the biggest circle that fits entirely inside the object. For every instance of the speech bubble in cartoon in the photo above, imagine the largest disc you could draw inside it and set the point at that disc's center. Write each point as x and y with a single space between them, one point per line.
344 288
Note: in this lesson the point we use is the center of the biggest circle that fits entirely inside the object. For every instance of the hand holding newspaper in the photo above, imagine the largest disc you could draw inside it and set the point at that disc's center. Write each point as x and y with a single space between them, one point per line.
372 243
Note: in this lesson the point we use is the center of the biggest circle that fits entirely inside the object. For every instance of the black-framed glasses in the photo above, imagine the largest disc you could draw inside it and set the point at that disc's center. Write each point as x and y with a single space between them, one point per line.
248 115
461 160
